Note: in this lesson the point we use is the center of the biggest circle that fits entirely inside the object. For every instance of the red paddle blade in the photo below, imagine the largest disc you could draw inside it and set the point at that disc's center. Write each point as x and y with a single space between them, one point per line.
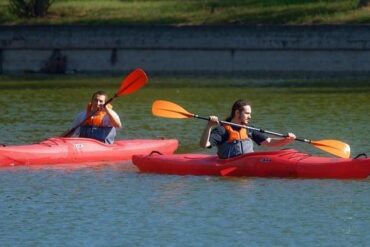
133 82
334 147
162 108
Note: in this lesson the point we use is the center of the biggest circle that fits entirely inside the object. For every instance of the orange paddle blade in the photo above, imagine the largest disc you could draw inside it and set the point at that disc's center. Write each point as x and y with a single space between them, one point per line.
133 82
334 147
162 108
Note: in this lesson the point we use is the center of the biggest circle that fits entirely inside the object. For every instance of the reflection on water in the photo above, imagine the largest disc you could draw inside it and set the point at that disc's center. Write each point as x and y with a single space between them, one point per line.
117 206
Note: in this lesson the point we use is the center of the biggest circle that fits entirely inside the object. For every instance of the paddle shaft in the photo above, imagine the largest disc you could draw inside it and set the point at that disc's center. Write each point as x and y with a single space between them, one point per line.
253 128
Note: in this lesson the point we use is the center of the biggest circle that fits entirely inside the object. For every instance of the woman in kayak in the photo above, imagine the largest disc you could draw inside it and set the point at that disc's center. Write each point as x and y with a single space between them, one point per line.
103 120
233 141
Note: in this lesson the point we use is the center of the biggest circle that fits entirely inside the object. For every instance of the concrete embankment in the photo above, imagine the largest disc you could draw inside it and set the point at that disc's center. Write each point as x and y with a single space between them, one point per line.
265 50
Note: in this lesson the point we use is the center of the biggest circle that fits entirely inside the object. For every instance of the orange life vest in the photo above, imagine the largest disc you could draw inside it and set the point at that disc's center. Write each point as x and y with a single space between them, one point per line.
97 118
235 135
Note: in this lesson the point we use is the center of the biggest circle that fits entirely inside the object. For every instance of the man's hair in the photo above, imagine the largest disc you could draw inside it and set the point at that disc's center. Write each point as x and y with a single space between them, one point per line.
100 92
238 105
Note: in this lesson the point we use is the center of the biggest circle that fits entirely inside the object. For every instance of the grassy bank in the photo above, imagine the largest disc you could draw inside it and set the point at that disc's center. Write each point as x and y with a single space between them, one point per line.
196 12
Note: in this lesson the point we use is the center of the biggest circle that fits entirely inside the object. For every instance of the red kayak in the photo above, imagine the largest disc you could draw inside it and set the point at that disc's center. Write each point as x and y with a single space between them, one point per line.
284 163
67 150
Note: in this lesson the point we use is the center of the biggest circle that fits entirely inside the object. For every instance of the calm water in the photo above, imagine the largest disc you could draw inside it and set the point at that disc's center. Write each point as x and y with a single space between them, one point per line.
117 206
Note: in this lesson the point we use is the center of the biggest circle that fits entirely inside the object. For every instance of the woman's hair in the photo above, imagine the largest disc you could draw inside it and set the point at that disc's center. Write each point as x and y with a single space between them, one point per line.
238 105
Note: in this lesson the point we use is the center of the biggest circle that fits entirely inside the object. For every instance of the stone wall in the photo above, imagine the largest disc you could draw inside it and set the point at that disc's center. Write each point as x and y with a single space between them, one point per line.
264 50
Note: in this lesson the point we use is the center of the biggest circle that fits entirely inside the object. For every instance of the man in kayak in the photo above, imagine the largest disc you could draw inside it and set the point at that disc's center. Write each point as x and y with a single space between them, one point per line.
103 120
233 141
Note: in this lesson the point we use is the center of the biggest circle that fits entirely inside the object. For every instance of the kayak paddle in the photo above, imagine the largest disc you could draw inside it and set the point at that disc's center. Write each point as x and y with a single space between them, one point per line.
162 108
131 83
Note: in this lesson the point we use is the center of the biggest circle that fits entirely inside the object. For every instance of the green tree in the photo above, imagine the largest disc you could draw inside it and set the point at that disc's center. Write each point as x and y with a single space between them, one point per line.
29 8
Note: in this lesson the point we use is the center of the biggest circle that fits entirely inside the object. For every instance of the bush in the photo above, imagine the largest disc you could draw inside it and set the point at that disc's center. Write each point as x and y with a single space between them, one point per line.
29 8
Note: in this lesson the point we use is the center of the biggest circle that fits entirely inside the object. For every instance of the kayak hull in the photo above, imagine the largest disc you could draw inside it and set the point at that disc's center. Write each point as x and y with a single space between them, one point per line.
287 163
70 150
